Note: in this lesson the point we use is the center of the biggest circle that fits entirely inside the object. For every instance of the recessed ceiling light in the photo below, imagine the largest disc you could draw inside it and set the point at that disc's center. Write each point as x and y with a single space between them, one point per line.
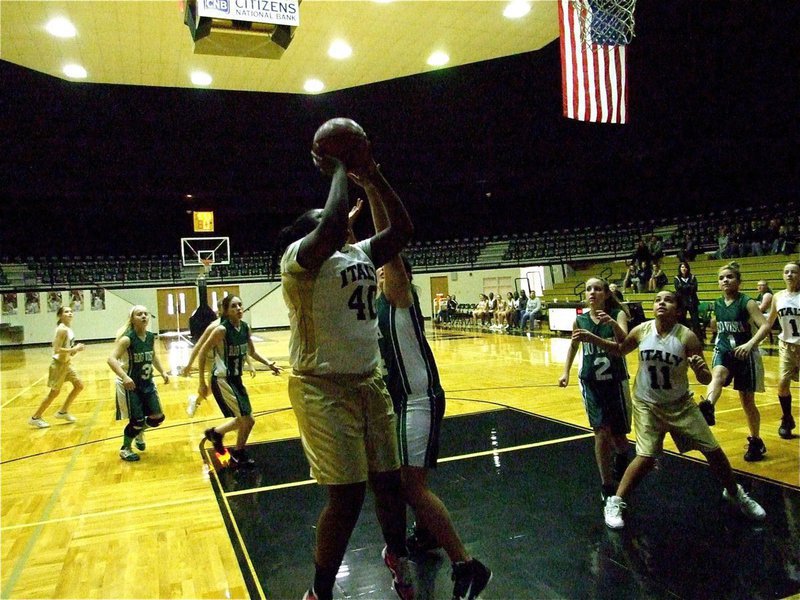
201 78
74 71
61 27
313 86
516 9
340 49
437 59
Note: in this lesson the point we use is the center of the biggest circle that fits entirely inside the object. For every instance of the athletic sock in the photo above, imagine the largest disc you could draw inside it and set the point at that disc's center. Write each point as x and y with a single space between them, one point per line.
786 404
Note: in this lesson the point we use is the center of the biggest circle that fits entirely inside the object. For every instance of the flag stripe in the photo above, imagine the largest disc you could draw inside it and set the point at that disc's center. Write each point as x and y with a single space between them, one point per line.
592 76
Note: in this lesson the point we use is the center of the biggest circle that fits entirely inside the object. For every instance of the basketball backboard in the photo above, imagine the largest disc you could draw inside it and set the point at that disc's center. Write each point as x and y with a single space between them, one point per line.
195 251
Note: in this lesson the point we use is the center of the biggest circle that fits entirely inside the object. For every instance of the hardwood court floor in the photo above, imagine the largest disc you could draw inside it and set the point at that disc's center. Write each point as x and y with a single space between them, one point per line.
78 522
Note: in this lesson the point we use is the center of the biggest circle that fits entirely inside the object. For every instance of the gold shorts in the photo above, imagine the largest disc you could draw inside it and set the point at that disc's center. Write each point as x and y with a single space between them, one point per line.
788 361
59 373
347 426
682 419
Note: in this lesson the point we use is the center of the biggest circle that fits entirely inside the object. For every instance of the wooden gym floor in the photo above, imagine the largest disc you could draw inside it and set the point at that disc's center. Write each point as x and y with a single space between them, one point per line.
78 522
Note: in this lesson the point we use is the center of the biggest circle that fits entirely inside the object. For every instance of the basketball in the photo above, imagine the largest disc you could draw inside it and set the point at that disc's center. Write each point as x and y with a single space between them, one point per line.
343 139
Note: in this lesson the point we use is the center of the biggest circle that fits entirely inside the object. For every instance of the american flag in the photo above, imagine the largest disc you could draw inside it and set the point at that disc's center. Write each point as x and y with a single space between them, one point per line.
592 75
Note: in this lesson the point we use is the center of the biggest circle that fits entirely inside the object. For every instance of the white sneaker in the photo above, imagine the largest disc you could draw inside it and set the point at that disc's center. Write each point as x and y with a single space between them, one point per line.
128 455
192 404
40 423
65 416
749 507
613 512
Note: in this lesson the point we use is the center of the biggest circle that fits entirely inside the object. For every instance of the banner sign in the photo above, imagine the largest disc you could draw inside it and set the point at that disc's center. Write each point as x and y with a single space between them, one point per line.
280 12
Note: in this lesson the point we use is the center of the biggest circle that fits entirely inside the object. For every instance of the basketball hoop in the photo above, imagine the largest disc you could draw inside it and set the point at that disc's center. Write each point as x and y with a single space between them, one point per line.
606 22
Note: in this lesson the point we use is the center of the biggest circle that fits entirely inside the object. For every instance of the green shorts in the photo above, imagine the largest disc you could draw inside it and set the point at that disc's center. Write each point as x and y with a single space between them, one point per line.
607 404
747 375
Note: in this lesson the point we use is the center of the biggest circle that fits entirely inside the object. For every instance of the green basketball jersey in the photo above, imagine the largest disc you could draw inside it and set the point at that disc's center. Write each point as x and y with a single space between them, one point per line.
230 361
140 360
599 365
733 323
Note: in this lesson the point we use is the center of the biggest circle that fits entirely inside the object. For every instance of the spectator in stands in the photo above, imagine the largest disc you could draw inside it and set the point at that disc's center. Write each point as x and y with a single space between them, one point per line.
452 306
686 288
491 307
773 235
687 251
532 313
644 272
631 280
512 304
658 281
756 235
641 254
522 302
479 314
723 243
764 298
616 291
500 313
656 248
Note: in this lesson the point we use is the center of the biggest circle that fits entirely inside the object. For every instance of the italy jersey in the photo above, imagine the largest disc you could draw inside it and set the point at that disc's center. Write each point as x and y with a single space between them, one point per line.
229 360
68 343
788 306
662 375
411 371
334 324
139 365
733 323
597 364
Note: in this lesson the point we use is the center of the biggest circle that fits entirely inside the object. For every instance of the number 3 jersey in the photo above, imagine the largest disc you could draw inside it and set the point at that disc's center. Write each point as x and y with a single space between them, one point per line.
597 364
662 375
334 326
139 360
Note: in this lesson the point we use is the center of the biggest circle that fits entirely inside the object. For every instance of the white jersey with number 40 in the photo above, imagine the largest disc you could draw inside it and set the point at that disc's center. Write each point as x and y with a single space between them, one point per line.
332 312
662 375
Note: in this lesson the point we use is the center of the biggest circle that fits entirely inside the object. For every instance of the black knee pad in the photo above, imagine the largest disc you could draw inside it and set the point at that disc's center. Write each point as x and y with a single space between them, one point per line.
155 421
134 428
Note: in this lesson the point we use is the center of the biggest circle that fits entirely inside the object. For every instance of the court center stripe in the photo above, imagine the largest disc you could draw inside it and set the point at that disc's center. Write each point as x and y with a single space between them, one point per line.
493 452
18 394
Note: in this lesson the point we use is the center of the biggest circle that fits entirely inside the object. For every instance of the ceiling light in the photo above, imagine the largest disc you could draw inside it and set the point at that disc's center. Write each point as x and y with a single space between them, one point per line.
437 59
74 71
516 9
313 86
61 27
340 49
201 78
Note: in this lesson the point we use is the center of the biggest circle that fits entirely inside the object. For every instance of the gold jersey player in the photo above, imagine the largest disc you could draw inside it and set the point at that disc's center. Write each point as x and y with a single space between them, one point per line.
786 309
344 413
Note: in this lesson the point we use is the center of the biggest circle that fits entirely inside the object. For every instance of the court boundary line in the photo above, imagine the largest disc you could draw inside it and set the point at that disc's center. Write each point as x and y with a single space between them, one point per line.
231 522
492 452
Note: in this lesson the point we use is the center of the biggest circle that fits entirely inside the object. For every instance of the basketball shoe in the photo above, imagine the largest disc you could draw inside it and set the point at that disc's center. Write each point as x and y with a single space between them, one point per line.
755 449
139 441
785 429
613 512
749 507
401 574
215 439
470 578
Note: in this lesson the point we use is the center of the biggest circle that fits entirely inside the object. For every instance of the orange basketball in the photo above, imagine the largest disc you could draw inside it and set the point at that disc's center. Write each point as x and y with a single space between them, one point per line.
343 139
